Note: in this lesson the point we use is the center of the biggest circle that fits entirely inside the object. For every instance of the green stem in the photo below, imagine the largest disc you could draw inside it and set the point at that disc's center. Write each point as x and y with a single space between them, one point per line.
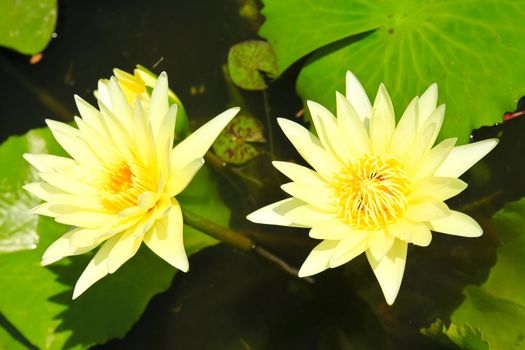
479 203
58 109
219 165
238 240
268 121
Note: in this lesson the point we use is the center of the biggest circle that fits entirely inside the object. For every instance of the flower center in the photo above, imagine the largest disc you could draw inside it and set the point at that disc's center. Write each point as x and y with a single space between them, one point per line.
371 192
118 178
121 184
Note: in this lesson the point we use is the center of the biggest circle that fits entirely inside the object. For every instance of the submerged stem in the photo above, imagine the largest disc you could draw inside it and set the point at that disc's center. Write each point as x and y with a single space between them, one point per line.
480 202
237 240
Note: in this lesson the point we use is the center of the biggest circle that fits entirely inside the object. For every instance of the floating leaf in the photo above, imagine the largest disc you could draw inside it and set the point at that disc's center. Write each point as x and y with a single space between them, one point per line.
473 49
497 307
466 337
232 144
247 60
37 301
17 224
26 25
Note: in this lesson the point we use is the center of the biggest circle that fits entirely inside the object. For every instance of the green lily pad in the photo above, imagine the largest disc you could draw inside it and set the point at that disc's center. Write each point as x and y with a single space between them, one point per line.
472 49
247 60
26 25
37 301
17 224
232 144
465 337
497 307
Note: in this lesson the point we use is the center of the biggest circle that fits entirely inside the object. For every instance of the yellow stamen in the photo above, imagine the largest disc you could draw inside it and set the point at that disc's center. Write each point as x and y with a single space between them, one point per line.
372 192
121 184
119 178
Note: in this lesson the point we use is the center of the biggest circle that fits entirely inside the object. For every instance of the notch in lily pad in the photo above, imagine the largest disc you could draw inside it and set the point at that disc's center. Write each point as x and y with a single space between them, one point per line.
233 144
247 61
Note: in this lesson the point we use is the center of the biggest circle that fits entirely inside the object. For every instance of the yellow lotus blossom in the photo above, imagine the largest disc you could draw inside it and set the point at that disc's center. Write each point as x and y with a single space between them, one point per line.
375 187
118 189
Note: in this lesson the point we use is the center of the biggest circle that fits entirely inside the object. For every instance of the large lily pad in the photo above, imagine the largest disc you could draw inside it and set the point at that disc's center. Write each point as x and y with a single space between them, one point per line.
26 25
497 307
471 48
36 301
17 224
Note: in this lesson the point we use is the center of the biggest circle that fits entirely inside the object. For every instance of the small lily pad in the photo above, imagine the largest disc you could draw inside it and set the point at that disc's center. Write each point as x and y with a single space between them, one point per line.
247 60
26 25
232 144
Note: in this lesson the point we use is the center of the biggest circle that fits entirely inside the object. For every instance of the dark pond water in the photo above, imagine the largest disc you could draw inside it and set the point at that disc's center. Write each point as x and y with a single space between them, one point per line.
233 300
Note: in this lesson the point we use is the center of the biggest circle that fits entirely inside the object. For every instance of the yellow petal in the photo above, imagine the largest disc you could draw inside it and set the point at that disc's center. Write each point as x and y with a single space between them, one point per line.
42 190
426 211
436 117
319 258
198 143
90 115
118 134
84 237
84 219
102 93
95 270
438 188
103 148
299 173
421 235
48 162
463 157
147 200
332 230
72 142
419 148
62 248
119 105
318 196
411 232
358 97
352 129
310 148
125 247
166 239
457 224
180 179
349 248
379 243
144 139
67 183
406 130
289 212
327 130
382 122
67 203
431 162
427 103
164 138
159 102
389 270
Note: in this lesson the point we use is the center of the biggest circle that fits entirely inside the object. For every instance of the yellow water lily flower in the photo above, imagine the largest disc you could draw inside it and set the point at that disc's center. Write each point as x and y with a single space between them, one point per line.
375 187
118 189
